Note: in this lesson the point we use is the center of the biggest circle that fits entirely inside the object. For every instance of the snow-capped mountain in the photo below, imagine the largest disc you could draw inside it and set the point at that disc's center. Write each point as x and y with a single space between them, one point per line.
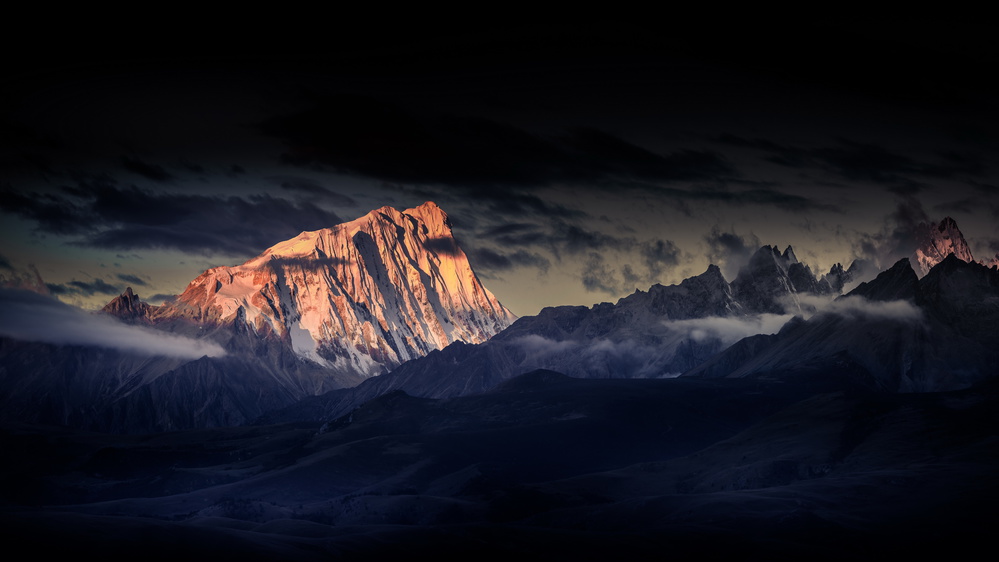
936 242
322 311
366 295
661 332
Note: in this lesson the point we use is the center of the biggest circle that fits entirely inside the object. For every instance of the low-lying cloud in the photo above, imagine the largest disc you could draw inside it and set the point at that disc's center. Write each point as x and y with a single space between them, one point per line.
28 316
728 330
859 308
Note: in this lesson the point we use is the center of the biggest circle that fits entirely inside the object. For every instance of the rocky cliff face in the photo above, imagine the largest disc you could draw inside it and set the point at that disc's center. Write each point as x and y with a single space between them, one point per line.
366 295
128 306
896 333
937 241
657 333
322 311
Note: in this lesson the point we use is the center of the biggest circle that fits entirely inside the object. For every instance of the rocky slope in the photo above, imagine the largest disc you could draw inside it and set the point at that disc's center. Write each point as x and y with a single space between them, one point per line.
363 296
936 242
657 333
896 333
322 311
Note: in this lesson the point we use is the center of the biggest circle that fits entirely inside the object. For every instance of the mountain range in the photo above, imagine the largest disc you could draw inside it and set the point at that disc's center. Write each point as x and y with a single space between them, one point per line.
389 301
321 311
356 392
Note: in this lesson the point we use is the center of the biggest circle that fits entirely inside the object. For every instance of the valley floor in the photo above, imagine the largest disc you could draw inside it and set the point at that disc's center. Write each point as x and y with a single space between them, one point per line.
543 465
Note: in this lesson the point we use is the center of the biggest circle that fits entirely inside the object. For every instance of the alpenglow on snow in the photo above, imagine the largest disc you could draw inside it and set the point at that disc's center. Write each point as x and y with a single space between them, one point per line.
366 295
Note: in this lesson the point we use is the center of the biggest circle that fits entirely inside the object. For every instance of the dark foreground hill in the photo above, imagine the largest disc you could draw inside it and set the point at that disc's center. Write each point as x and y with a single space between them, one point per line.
543 465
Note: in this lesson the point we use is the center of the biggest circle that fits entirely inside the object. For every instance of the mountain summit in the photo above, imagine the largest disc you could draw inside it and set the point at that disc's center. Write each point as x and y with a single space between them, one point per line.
322 311
936 242
366 295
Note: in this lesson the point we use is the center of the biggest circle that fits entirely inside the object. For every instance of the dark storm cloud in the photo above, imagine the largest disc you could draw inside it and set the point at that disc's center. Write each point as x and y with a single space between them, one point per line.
729 250
575 239
597 276
376 139
513 204
509 229
149 171
522 235
314 189
898 238
612 157
133 279
859 161
658 256
493 260
84 288
765 197
5 263
105 215
629 275
967 205
52 213
564 238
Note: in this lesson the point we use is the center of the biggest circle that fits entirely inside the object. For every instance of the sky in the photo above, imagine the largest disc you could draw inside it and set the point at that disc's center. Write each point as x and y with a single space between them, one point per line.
577 163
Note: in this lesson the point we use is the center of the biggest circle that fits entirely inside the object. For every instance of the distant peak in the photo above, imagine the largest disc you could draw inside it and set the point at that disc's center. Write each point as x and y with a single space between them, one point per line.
946 223
433 216
936 242
428 209
897 282
713 272
126 306
789 256
901 265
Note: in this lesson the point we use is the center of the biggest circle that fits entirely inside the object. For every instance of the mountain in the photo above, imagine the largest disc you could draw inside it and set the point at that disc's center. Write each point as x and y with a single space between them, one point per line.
657 333
363 296
936 241
772 280
897 333
127 306
322 311
544 463
838 278
991 263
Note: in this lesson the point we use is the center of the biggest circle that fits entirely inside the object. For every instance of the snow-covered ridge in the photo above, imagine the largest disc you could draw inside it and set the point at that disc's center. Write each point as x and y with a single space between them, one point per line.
365 295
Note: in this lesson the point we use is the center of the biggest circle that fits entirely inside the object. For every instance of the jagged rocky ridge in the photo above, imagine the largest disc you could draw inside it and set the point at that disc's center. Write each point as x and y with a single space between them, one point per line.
936 242
363 296
896 333
657 333
322 311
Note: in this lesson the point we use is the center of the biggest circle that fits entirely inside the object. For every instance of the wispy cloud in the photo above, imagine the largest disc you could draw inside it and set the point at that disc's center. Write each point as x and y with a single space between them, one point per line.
728 330
859 308
28 316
